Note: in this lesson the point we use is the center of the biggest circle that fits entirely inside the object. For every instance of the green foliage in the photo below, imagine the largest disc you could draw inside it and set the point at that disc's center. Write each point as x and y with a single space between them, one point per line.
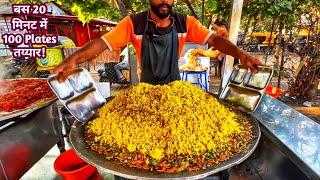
25 1
288 11
87 10
181 7
139 5
224 8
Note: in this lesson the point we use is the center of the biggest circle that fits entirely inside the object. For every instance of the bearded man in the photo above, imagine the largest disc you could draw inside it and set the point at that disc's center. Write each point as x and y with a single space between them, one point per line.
158 36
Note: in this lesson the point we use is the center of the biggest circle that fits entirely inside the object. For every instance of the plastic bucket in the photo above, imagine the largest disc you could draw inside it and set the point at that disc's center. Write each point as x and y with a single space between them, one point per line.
71 167
274 91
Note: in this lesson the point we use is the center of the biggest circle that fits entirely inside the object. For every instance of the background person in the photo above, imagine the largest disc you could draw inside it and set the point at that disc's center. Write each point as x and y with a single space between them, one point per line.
122 65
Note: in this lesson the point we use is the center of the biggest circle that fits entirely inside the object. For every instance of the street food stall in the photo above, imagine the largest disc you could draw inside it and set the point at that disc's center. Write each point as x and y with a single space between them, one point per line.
29 125
172 131
24 141
284 143
288 146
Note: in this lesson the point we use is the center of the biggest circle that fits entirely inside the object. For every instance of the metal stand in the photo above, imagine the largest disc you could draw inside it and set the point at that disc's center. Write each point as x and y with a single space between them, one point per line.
26 142
199 75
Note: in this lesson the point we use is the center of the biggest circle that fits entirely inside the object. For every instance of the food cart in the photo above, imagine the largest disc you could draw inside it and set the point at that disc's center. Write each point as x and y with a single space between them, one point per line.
289 146
25 140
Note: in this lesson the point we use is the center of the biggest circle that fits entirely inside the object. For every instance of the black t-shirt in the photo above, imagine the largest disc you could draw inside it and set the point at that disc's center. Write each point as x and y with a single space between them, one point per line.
140 21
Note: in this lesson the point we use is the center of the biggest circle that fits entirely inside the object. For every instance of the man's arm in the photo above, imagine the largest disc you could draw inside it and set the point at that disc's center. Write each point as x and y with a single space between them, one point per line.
199 34
88 52
118 37
227 47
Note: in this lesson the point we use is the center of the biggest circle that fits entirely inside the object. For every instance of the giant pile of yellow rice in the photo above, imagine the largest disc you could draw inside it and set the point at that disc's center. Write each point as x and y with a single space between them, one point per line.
164 120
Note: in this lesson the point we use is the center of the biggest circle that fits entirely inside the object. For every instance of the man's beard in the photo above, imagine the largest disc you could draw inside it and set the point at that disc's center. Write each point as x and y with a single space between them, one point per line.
156 10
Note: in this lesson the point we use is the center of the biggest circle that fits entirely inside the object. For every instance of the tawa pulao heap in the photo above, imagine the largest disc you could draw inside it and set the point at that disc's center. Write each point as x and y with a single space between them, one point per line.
168 128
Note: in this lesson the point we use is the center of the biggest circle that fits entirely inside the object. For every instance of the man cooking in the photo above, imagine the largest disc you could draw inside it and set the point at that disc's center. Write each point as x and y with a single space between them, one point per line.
158 36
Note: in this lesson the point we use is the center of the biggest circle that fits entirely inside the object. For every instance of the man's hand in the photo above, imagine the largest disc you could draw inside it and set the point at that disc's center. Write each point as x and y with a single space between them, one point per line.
91 50
220 57
221 31
249 61
66 68
227 47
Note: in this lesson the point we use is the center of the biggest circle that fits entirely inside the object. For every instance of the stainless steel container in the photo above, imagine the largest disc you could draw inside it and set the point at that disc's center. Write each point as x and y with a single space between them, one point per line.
245 89
79 94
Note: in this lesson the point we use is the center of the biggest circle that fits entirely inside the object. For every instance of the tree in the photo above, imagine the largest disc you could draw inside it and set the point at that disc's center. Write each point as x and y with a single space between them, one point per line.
87 10
115 10
306 83
122 7
193 13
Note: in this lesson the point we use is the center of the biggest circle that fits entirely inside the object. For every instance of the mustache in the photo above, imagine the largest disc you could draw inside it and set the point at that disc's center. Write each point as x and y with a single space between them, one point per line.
157 11
164 5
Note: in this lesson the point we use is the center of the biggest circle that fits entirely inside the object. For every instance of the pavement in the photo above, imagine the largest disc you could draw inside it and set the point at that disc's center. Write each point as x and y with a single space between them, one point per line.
43 169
